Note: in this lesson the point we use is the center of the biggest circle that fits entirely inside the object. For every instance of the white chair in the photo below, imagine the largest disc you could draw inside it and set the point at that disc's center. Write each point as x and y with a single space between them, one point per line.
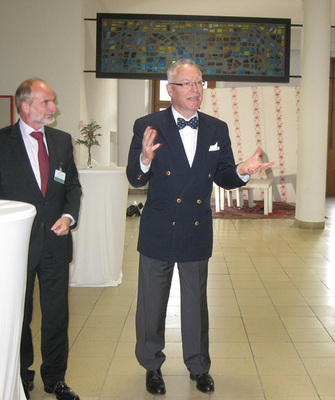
265 184
219 194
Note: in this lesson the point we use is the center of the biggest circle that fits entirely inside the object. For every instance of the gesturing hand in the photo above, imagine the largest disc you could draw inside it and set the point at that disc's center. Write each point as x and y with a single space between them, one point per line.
148 145
253 165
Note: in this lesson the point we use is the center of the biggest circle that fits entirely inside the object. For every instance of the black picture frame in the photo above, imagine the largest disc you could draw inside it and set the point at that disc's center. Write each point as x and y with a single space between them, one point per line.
141 46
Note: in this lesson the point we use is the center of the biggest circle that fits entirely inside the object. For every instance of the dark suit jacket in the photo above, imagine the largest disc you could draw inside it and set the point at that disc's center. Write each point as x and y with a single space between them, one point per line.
176 223
17 182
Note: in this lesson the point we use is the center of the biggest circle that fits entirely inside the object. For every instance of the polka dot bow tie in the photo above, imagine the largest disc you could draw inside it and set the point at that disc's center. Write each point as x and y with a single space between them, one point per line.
193 123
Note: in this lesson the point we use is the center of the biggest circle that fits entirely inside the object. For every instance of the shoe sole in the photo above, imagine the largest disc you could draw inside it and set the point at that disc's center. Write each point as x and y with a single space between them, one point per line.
158 393
205 391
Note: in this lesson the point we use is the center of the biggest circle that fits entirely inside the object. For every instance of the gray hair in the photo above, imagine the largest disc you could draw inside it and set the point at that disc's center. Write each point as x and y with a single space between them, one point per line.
23 93
176 64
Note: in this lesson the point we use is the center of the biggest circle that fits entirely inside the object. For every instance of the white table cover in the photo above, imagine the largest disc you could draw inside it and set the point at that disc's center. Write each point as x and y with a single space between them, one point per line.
16 220
99 237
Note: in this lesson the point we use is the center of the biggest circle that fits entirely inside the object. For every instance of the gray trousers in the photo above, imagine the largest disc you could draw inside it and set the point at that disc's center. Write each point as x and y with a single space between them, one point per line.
153 294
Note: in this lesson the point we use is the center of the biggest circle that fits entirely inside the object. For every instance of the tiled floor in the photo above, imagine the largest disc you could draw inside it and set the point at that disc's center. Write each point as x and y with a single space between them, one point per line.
271 297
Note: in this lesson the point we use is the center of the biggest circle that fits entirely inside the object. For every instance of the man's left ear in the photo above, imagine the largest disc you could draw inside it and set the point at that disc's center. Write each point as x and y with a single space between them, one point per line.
25 106
169 89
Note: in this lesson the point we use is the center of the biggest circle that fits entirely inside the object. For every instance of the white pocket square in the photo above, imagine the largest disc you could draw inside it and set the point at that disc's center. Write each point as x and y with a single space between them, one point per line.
214 147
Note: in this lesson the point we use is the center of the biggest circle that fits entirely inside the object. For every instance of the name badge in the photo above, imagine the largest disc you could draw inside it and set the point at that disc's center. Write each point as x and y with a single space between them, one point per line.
60 176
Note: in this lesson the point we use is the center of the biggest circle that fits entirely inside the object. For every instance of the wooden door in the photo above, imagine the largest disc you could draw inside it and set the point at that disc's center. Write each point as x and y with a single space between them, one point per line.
330 186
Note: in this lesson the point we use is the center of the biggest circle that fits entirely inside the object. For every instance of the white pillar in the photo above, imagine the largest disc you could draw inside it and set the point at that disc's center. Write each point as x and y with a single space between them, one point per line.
313 121
133 103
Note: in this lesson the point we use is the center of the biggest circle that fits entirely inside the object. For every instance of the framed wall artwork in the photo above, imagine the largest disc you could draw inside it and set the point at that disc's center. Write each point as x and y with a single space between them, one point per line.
225 48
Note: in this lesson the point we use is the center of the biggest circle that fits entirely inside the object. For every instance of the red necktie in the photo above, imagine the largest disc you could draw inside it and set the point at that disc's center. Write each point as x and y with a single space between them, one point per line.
43 160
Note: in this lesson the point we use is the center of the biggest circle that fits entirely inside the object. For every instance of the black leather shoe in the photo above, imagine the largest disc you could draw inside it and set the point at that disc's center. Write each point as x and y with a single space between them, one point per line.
28 386
62 391
155 382
205 382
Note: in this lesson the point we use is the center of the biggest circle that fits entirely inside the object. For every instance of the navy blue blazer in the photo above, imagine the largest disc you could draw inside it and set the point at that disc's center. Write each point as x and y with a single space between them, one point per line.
17 182
176 222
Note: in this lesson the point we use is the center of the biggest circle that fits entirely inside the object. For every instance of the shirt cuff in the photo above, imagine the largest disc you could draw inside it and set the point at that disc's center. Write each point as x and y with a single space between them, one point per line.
144 168
73 221
245 178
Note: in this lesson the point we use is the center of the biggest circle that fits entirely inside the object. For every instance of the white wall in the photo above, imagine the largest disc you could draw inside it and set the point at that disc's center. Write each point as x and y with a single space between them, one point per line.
42 38
50 40
98 96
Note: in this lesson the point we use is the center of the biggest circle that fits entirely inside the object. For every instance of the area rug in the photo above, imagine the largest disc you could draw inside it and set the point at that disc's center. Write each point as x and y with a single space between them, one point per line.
280 210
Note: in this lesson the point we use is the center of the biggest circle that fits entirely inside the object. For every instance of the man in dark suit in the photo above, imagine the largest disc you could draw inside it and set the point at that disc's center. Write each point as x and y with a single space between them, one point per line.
179 160
37 167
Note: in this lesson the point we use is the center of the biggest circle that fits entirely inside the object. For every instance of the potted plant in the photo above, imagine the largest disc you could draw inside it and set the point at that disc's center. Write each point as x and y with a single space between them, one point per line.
89 136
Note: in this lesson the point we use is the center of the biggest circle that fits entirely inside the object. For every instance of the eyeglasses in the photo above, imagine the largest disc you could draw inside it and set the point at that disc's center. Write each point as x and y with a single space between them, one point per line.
188 85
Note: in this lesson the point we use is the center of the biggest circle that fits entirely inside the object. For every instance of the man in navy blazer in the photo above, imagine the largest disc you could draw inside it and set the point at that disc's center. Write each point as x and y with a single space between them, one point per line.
179 152
50 248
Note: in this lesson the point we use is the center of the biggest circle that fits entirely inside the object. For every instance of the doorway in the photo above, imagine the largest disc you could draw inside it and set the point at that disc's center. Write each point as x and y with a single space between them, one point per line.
330 184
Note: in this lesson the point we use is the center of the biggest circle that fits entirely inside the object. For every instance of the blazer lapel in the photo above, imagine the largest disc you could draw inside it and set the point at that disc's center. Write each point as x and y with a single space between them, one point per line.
205 134
21 155
52 150
55 156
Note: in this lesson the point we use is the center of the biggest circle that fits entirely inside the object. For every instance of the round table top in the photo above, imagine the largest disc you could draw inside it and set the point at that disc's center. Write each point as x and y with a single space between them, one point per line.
15 210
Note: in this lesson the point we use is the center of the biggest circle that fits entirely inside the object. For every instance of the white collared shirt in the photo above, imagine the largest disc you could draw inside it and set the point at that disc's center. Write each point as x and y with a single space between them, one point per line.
189 136
31 145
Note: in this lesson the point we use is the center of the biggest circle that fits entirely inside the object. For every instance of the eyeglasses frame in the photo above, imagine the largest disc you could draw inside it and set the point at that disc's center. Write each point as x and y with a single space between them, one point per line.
197 84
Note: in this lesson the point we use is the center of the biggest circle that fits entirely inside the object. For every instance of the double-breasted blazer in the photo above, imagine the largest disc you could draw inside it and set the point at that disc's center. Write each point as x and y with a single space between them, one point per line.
17 182
176 222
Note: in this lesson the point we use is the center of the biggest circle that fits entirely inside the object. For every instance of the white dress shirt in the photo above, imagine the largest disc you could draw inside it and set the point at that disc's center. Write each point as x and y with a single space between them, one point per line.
31 145
189 136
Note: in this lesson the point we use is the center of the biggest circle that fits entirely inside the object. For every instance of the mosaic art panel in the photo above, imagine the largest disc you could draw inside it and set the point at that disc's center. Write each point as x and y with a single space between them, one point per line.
139 46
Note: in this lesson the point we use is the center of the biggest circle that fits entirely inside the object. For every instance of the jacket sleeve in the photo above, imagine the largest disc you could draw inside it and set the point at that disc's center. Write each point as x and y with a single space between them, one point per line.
226 174
72 188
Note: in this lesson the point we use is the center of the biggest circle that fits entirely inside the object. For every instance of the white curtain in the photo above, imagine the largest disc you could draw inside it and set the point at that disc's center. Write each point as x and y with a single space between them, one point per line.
265 117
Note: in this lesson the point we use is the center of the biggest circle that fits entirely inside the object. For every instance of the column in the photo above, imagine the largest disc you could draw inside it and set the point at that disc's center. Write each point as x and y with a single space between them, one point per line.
313 121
